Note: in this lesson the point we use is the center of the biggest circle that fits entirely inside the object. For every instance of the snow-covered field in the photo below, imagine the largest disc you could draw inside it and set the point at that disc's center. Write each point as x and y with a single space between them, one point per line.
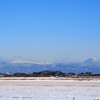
50 90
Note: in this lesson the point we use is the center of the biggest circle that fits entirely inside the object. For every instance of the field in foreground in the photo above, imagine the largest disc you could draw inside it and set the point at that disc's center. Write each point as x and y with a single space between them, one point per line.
49 90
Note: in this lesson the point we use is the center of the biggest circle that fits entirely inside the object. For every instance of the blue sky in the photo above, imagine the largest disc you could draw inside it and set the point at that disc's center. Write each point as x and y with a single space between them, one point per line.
48 30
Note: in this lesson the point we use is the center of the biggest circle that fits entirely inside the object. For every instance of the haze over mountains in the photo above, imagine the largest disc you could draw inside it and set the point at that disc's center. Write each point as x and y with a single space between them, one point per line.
89 65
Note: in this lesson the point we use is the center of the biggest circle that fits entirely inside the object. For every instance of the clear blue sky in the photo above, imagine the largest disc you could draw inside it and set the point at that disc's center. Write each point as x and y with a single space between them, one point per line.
50 29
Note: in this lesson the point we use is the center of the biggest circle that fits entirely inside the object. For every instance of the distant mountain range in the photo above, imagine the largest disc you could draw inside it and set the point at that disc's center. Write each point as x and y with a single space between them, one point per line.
89 65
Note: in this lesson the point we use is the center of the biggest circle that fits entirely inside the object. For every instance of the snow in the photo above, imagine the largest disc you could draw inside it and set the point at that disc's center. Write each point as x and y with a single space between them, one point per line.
92 60
43 92
49 93
30 62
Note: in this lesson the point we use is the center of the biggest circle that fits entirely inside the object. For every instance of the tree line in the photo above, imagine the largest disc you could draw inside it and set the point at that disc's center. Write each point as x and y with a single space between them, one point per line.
48 73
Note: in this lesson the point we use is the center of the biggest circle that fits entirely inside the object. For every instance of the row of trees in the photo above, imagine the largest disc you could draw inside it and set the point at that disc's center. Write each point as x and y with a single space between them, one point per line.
47 73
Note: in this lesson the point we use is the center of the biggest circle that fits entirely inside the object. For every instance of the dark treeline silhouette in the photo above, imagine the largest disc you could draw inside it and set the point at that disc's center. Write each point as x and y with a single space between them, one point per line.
48 73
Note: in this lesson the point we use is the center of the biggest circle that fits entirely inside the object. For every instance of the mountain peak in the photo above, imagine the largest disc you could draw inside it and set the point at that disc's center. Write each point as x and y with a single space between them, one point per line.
92 60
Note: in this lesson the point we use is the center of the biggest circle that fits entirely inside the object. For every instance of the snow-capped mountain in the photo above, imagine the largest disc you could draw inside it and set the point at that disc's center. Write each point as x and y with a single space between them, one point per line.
89 65
92 61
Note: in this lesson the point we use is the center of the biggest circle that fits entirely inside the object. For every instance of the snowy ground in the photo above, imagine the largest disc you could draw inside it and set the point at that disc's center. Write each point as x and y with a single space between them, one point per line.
50 90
